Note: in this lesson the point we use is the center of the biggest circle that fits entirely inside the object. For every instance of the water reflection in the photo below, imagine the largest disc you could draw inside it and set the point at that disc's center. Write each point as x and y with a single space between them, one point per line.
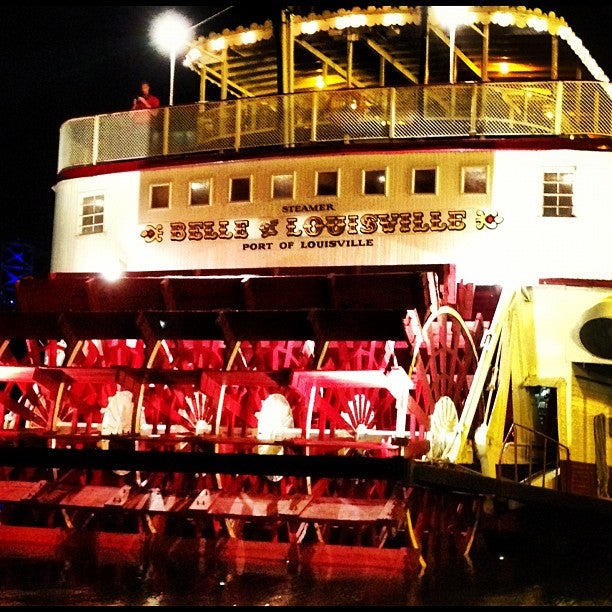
490 580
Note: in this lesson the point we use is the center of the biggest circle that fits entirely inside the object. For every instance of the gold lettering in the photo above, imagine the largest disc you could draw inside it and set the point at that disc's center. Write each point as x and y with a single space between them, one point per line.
209 230
269 229
336 224
456 219
333 225
241 228
419 224
353 220
177 231
313 226
405 219
224 233
437 225
292 230
388 222
195 230
369 223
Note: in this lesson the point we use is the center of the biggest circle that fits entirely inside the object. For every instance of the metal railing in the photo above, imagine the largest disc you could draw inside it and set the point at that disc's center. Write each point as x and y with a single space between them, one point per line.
529 108
537 459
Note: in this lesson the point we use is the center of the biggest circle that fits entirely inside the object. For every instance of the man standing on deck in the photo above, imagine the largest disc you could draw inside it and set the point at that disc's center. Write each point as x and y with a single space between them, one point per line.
146 101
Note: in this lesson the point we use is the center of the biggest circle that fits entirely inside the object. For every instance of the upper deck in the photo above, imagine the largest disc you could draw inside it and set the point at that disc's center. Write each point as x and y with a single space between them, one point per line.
380 115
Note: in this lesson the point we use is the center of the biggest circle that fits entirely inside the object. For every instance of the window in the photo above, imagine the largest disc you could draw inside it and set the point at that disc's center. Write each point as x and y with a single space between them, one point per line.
282 186
199 193
160 196
240 189
474 179
375 182
424 180
558 192
327 183
92 214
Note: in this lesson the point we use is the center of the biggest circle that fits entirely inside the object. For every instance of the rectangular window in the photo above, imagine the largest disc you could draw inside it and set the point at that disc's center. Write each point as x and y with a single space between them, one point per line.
558 196
374 182
199 193
283 186
474 179
424 180
327 183
92 215
160 196
240 189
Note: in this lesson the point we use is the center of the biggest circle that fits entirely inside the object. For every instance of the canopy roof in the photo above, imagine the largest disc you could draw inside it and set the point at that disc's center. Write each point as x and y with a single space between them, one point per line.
391 46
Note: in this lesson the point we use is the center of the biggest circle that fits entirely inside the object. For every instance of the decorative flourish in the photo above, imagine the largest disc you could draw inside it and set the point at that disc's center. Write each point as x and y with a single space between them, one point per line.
490 220
443 430
274 418
360 415
273 421
153 233
269 228
198 415
117 415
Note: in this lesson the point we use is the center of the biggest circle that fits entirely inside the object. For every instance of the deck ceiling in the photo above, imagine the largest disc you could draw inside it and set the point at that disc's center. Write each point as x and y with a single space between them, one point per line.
391 55
74 293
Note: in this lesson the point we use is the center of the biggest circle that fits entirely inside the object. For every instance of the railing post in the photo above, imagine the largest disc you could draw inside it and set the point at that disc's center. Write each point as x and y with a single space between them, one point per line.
559 107
596 114
238 124
95 140
314 116
474 109
166 131
392 111
288 105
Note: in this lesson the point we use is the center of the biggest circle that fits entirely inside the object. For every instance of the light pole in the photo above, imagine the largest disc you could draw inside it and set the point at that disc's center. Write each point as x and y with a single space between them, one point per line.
169 32
172 69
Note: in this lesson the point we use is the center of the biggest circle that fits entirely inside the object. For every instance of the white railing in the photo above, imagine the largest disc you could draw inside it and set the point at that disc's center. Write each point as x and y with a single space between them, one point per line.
556 108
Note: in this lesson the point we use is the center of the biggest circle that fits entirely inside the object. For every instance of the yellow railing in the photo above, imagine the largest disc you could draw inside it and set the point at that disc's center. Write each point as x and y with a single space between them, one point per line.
572 108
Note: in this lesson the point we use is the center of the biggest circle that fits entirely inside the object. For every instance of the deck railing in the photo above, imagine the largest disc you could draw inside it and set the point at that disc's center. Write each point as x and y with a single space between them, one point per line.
535 459
529 108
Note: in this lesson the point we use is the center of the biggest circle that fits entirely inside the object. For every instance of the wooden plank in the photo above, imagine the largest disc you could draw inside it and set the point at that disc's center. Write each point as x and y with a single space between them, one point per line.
137 502
156 502
304 508
392 509
203 501
19 490
399 382
350 510
245 505
54 493
91 497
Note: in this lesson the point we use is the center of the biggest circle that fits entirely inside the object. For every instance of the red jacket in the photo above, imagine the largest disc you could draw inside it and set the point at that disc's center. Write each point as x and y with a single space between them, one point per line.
153 102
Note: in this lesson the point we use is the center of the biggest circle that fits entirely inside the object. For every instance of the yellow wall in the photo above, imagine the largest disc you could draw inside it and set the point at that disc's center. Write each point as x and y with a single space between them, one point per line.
589 398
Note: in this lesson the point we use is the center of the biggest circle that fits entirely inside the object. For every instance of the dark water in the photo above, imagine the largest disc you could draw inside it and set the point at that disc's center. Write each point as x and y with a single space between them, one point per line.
527 578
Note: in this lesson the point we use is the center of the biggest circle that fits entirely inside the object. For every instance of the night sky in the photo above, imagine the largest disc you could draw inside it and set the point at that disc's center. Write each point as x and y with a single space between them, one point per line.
60 62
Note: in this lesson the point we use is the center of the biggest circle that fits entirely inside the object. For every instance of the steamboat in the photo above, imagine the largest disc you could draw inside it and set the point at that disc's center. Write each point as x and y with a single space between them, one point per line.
361 317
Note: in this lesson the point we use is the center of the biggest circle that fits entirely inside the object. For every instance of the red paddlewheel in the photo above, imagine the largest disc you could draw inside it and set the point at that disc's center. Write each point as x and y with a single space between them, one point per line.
444 364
